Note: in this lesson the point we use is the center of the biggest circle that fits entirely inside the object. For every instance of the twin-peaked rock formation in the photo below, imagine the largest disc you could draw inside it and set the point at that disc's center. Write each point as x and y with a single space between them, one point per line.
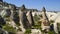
24 17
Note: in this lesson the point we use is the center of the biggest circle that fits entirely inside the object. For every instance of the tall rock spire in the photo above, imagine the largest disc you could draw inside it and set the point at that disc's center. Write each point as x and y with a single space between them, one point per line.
23 18
45 20
43 9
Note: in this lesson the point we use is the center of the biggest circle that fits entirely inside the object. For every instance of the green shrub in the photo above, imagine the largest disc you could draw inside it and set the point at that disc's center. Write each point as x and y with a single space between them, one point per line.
51 32
28 31
9 28
51 21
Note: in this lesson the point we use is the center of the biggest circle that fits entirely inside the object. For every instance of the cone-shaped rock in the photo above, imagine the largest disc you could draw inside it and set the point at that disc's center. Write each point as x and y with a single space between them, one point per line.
45 21
23 19
45 18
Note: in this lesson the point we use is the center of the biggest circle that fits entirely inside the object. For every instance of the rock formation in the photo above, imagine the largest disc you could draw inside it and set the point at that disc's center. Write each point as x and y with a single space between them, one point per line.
45 21
23 18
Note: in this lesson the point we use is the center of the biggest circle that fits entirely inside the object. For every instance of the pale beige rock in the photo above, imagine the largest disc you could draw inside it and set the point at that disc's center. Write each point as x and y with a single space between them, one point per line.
45 21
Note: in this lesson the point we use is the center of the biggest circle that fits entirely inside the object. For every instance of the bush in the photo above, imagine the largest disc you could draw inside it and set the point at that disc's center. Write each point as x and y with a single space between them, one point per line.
28 31
9 28
51 32
51 21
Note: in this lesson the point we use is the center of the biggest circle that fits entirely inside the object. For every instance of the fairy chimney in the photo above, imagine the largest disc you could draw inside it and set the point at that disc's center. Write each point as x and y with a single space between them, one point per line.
45 21
23 18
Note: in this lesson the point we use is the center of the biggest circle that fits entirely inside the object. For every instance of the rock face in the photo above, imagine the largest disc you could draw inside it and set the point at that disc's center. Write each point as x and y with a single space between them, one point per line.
30 18
2 21
16 18
45 21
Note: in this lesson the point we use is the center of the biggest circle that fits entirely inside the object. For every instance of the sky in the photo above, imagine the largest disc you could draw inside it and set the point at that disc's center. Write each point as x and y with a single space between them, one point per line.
50 5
